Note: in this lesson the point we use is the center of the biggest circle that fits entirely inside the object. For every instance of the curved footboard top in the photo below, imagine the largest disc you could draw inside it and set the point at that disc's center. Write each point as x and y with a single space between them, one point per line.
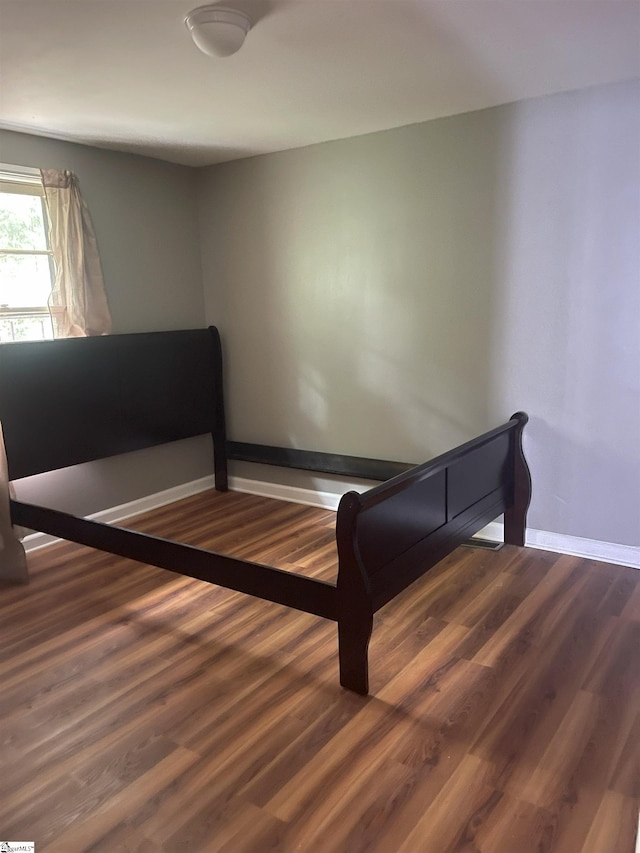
392 534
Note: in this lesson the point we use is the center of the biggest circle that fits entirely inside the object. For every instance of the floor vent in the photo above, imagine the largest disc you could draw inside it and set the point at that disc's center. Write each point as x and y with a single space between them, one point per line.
486 544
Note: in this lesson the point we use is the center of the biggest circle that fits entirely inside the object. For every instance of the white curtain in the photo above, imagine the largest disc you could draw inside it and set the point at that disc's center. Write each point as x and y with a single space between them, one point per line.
78 303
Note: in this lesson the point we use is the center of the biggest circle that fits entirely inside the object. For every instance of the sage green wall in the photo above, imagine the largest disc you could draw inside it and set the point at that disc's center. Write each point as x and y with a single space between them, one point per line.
395 294
145 216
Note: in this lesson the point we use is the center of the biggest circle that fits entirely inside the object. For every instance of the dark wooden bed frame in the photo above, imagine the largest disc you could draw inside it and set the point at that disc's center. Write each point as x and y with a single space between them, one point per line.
76 400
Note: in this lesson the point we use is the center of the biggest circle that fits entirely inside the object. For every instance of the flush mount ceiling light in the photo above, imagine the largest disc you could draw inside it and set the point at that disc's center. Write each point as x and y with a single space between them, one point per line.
218 30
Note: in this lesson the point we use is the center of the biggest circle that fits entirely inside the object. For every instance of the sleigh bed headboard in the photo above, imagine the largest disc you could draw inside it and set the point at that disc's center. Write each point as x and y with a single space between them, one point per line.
75 400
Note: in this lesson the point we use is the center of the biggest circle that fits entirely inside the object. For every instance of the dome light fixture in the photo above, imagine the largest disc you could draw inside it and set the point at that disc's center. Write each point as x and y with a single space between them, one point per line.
218 30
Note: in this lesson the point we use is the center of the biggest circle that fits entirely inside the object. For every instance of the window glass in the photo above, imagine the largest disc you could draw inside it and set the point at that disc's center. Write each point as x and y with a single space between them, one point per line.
26 265
22 222
24 280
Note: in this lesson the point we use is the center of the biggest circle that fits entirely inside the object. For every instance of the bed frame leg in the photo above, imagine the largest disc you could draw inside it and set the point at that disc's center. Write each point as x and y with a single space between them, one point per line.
515 518
355 606
218 428
353 646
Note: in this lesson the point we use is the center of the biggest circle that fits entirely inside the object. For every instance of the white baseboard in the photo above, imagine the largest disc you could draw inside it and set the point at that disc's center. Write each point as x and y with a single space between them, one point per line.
293 494
591 549
119 513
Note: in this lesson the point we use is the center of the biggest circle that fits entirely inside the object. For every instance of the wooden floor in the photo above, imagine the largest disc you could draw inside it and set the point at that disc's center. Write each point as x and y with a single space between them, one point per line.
142 711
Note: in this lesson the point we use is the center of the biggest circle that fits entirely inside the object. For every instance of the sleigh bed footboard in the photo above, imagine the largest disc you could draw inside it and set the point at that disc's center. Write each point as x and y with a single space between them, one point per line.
392 534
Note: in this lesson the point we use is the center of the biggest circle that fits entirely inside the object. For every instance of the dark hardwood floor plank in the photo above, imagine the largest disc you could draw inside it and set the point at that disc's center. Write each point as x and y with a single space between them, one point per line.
614 825
144 712
625 778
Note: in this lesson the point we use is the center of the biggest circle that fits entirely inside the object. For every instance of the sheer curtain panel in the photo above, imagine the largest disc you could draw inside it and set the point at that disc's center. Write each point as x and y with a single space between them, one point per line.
78 302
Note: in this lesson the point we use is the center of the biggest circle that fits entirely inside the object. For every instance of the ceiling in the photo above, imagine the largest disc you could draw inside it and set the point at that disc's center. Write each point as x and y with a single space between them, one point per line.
125 74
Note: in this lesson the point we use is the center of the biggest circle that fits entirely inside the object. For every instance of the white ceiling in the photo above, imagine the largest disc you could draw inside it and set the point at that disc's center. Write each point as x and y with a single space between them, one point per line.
125 74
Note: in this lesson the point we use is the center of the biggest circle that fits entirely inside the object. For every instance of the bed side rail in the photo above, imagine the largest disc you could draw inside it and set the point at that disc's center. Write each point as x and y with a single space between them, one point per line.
293 590
313 460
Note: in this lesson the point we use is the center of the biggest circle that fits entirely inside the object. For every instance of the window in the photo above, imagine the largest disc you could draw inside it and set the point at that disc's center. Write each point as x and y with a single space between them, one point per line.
26 261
